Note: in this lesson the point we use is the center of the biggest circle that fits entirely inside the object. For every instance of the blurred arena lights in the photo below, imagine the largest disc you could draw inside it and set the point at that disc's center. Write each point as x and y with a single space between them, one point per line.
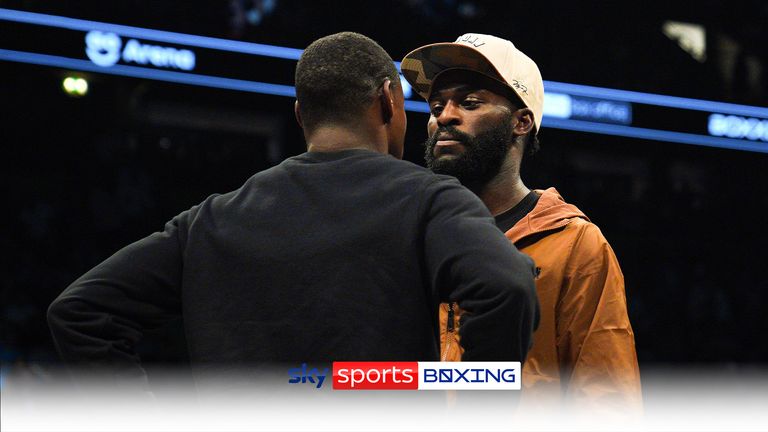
692 38
112 49
75 86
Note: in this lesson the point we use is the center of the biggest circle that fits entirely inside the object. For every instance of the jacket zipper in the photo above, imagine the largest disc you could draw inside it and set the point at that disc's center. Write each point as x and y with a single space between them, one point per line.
449 336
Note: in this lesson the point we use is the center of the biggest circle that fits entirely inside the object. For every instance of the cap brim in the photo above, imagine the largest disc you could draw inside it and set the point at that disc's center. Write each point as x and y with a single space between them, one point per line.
422 65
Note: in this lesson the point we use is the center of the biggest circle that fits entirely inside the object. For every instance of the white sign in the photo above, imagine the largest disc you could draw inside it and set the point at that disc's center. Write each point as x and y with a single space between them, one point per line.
733 126
104 49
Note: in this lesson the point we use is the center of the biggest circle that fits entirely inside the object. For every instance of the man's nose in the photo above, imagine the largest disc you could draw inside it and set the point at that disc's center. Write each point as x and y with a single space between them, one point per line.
450 115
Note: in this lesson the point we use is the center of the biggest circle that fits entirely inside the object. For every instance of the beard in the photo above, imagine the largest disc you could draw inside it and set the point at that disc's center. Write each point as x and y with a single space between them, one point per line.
482 158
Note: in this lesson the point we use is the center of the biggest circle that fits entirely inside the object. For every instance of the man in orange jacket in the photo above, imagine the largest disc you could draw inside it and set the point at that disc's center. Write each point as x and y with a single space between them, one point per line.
486 105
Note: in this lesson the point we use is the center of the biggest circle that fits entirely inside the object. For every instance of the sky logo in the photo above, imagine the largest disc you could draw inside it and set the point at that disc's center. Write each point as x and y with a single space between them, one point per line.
304 375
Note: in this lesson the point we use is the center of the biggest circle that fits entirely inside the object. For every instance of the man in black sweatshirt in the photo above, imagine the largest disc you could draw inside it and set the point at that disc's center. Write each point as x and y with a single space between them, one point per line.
341 253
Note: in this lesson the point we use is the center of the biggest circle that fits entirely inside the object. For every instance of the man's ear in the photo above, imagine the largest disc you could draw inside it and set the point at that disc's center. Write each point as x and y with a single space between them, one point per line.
387 101
524 121
297 113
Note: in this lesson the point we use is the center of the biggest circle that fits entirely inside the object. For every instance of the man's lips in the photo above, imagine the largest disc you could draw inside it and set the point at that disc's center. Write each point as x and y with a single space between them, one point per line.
447 146
447 142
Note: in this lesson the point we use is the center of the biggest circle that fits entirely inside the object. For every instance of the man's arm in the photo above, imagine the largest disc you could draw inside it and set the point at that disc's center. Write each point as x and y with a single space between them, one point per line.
98 319
474 265
595 341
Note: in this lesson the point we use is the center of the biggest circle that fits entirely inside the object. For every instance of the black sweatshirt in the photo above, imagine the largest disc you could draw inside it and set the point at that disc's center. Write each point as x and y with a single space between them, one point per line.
327 256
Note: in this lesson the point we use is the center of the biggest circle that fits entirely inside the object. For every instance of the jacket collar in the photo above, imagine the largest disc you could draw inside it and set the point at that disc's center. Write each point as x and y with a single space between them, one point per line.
551 212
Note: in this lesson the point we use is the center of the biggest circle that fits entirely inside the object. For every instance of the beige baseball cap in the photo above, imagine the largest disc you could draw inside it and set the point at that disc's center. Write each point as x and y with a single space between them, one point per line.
489 55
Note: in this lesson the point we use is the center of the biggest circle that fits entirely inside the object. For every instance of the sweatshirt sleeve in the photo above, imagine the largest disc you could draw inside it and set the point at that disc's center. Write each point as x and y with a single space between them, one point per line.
471 263
99 318
594 334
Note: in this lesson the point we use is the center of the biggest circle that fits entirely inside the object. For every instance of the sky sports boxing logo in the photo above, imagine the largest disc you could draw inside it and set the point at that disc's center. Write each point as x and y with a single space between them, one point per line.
412 375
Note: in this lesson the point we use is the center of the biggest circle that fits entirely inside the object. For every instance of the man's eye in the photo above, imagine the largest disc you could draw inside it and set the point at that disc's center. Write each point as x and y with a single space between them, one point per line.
436 109
469 103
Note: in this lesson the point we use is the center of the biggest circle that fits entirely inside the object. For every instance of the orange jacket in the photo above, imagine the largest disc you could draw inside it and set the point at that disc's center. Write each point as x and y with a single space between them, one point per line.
583 353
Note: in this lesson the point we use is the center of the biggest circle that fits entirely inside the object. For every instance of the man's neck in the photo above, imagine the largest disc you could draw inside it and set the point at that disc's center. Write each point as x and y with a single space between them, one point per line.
336 138
503 192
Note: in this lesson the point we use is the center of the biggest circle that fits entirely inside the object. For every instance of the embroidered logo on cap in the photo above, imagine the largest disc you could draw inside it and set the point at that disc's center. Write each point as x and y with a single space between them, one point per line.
471 39
520 86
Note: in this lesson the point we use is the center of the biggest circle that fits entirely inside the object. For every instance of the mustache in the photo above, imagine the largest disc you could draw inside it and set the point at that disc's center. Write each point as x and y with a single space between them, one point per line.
448 130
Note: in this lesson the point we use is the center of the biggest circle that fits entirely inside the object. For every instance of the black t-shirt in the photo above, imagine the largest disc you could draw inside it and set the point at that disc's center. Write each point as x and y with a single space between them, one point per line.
509 218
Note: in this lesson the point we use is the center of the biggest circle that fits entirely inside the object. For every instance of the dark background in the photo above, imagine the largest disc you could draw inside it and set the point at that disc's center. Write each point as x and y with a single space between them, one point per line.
86 176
